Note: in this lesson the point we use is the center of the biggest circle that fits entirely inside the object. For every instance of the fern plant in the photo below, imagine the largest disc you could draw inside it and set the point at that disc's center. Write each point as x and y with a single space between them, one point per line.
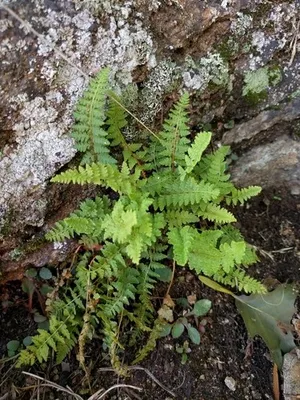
170 206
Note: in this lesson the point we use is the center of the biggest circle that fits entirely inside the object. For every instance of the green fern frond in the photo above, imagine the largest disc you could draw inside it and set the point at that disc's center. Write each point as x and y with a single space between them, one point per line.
238 279
195 152
215 213
178 218
212 167
174 137
242 195
186 193
88 130
182 240
100 174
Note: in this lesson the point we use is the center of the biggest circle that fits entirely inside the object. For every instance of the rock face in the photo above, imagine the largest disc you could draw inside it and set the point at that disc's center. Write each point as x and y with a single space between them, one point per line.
239 60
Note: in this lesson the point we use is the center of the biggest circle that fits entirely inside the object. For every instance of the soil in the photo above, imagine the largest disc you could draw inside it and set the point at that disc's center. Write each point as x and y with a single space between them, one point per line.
272 223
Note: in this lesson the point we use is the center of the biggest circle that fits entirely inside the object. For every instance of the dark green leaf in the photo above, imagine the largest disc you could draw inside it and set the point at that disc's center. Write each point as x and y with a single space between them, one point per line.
194 334
27 341
31 273
269 316
45 273
28 286
177 330
44 325
39 318
45 289
13 345
202 307
166 330
164 274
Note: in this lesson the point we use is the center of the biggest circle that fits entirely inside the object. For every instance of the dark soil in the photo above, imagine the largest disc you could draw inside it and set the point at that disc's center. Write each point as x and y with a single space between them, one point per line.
272 223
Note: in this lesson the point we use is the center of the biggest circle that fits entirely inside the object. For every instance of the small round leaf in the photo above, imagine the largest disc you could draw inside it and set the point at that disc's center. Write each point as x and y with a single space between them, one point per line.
44 325
39 318
177 330
27 341
194 334
166 330
45 273
45 289
201 307
31 273
13 345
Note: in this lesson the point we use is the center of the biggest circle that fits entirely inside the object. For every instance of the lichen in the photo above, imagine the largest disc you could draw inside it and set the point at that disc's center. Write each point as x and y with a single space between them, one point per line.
160 81
257 83
241 25
211 69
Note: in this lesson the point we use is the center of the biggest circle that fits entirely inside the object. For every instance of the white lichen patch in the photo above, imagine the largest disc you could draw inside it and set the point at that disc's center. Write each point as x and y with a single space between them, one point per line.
159 82
41 143
24 171
210 69
242 24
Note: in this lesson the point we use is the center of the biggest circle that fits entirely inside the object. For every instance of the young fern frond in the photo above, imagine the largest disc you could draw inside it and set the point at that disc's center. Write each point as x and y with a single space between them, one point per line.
88 130
174 141
242 195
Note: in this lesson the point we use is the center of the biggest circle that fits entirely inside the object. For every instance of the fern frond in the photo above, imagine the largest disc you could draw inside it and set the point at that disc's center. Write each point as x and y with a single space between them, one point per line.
100 174
241 195
195 152
151 342
88 130
186 193
173 138
212 167
240 280
215 213
178 218
182 240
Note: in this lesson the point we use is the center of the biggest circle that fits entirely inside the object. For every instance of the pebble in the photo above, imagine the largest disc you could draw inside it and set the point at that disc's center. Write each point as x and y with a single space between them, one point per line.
230 383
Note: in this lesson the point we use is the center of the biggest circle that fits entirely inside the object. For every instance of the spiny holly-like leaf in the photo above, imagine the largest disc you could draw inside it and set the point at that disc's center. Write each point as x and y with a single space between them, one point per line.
269 316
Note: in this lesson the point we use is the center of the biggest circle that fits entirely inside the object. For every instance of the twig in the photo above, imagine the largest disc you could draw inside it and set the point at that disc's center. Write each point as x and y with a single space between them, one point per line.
138 368
120 385
54 385
172 279
293 44
67 60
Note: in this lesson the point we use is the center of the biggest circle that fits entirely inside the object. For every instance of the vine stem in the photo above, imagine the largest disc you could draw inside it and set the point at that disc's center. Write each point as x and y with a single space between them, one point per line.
67 60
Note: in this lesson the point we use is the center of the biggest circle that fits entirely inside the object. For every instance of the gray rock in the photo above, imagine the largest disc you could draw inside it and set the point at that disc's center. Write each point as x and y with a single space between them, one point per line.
291 374
270 165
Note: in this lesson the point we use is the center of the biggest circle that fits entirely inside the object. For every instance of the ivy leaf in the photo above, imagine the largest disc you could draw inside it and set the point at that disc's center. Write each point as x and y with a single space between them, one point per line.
201 307
269 316
177 330
194 334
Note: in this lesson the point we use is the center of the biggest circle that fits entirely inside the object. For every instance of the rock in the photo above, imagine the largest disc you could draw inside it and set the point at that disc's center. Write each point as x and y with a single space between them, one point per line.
230 383
262 122
291 373
270 165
